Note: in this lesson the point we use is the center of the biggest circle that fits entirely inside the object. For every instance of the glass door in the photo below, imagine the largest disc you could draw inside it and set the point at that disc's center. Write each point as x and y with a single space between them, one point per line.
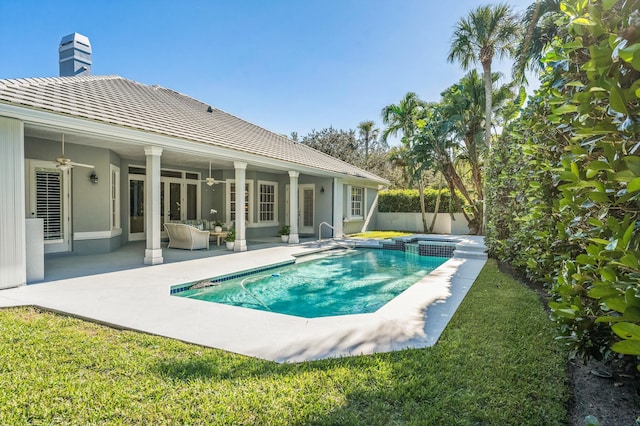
136 208
306 209
170 200
179 199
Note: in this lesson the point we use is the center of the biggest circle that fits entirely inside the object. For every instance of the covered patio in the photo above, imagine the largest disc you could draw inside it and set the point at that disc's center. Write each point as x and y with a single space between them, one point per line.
61 266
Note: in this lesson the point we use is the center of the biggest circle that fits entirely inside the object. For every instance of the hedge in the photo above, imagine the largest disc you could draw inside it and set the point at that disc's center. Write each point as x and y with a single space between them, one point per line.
564 199
408 201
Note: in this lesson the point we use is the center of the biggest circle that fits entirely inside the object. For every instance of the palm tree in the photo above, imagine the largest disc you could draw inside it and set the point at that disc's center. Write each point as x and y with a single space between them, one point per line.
368 134
436 150
397 156
401 119
463 104
540 22
487 31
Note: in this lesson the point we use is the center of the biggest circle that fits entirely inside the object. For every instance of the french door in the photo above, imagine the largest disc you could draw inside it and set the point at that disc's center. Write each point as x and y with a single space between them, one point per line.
178 201
136 207
171 207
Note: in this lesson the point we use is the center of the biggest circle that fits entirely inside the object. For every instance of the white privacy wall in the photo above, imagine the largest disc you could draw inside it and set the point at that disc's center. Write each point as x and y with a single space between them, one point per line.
12 216
412 222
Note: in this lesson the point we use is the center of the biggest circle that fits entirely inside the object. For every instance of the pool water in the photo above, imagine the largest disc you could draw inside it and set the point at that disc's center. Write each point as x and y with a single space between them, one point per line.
338 282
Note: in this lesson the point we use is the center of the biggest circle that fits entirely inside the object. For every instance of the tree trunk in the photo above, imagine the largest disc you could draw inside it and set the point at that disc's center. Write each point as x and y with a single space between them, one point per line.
488 93
455 181
435 211
476 176
488 102
423 208
474 161
452 175
456 205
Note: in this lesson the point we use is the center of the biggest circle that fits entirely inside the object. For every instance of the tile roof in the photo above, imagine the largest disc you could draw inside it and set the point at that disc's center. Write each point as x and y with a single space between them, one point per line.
154 109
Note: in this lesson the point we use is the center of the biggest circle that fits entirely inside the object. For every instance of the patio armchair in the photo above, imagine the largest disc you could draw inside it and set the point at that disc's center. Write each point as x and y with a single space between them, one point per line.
186 237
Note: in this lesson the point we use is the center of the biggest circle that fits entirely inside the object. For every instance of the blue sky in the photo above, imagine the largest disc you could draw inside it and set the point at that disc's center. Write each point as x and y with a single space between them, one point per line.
284 65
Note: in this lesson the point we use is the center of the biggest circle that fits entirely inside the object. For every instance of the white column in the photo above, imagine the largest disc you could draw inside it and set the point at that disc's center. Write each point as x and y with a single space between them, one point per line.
338 207
294 238
13 259
152 208
241 239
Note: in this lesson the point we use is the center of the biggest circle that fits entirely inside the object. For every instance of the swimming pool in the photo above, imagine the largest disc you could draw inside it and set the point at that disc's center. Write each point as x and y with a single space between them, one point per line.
336 282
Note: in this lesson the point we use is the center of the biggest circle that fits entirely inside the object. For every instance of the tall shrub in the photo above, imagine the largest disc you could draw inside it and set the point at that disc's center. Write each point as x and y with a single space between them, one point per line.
408 201
576 191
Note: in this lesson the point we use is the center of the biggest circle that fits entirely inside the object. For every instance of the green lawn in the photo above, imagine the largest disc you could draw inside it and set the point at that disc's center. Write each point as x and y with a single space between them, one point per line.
381 235
496 363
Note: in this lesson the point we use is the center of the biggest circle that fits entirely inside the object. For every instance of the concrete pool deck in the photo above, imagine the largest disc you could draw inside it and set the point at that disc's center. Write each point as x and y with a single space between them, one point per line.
139 299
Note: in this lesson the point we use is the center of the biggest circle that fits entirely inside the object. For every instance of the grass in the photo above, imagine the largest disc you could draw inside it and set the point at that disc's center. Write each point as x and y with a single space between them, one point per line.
381 235
496 363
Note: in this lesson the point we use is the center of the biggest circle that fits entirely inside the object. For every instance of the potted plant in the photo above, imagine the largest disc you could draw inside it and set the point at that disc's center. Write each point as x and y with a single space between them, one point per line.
217 226
230 238
284 233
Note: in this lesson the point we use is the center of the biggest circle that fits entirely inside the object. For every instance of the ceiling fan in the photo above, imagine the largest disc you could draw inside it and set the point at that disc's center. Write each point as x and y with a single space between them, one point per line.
65 163
211 181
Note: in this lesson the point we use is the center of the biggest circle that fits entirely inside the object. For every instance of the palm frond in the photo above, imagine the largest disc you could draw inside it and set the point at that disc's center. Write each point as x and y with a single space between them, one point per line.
539 20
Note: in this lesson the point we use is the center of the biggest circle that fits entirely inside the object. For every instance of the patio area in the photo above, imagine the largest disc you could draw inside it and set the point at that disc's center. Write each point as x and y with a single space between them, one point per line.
130 256
118 290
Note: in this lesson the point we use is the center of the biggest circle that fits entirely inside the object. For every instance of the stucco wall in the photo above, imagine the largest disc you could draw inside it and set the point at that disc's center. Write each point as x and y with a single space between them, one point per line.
324 205
261 230
90 202
323 200
412 222
357 225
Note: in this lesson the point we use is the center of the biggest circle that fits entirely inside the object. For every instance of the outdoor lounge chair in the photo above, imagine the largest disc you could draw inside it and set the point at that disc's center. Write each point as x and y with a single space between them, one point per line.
186 237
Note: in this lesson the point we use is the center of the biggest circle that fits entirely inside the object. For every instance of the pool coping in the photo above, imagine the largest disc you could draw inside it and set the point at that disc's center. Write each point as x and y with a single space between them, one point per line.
140 300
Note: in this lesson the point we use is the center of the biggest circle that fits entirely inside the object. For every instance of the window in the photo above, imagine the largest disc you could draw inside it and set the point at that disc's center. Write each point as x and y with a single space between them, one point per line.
231 201
171 174
357 200
268 202
115 196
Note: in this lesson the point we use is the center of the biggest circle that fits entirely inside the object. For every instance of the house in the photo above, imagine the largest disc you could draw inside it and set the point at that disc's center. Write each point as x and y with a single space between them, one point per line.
103 161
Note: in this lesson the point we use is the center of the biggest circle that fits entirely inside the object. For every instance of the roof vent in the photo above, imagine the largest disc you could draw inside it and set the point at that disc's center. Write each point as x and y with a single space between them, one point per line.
75 55
209 109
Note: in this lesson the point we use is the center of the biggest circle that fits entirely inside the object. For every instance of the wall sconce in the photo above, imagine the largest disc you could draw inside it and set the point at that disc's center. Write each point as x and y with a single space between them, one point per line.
93 177
322 189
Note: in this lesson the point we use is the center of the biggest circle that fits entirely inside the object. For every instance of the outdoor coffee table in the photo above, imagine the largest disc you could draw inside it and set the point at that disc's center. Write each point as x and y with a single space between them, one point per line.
218 235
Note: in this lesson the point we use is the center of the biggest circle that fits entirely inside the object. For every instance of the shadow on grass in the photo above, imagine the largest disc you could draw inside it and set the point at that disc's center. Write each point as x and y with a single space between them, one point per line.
220 365
210 369
493 366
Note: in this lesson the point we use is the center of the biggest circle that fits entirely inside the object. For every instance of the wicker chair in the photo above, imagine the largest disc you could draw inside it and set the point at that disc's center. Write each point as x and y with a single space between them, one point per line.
186 237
